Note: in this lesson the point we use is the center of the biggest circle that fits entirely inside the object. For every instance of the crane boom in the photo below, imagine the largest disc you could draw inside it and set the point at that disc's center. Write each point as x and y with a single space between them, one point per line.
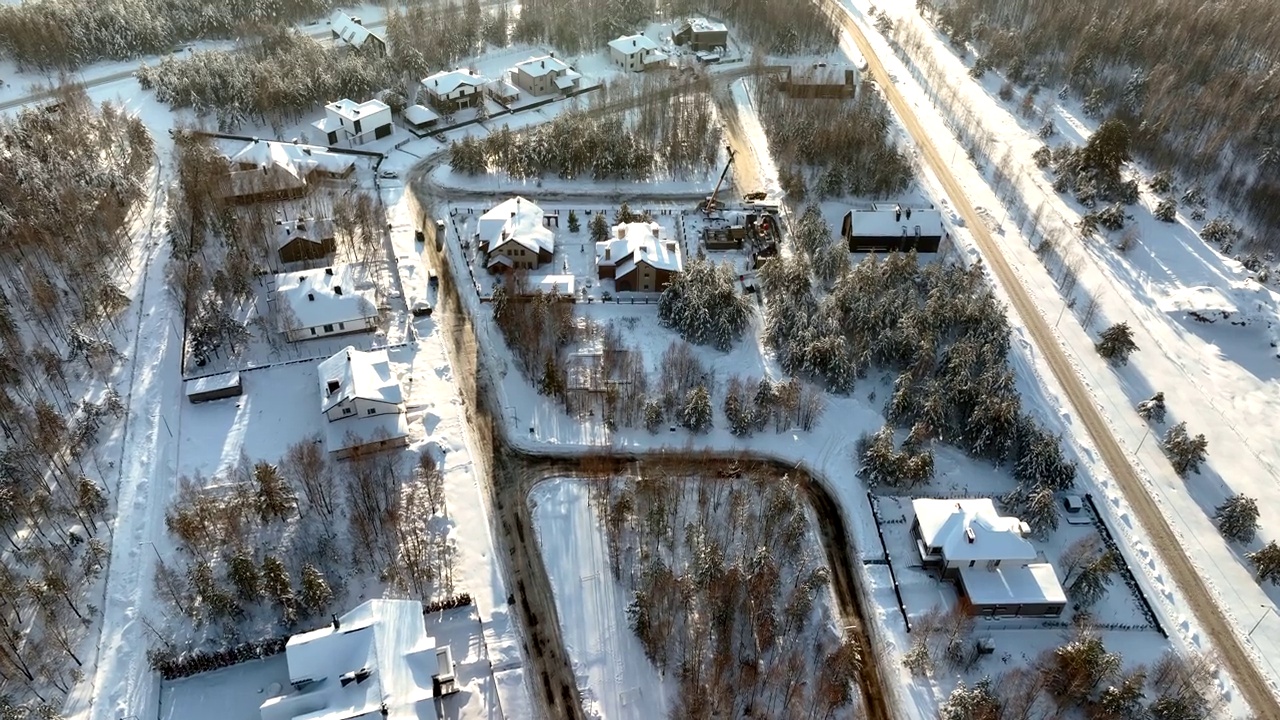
711 201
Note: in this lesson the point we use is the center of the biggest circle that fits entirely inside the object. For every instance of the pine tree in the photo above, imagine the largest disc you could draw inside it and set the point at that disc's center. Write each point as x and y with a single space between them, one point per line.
1036 507
1107 149
599 228
1116 343
1166 210
1266 563
1237 518
243 573
316 594
275 579
1121 701
1093 580
1153 409
275 499
696 413
625 215
1186 453
574 225
1073 671
652 415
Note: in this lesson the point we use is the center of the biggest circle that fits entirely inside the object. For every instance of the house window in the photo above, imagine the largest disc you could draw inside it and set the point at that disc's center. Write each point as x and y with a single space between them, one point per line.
313 331
346 411
342 326
328 328
972 563
357 125
372 411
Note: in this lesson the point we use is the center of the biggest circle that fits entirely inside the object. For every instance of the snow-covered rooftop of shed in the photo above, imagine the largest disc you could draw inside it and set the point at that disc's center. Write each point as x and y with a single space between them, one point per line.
971 530
363 375
628 44
556 284
420 114
324 296
356 431
314 230
1020 584
385 641
221 381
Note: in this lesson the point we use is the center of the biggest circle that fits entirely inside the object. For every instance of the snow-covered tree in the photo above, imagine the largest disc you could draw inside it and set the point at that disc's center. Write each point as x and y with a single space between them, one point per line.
275 499
243 573
652 415
315 594
1040 460
1219 230
1116 343
599 226
1186 453
978 702
704 306
1166 210
1237 518
1073 671
1121 700
574 224
1093 580
1152 409
1035 506
696 412
1266 563
1161 182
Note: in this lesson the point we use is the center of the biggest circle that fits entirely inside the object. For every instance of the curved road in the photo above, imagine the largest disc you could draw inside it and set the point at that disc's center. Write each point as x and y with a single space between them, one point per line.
1210 616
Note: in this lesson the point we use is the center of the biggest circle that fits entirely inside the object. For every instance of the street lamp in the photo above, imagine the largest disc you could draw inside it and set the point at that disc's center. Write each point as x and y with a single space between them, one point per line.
153 548
1265 609
1144 439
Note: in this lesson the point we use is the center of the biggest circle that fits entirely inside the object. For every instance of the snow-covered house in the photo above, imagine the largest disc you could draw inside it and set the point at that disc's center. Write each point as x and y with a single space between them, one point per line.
451 90
374 662
988 556
350 31
893 226
420 117
305 239
514 235
702 35
635 53
638 258
323 302
362 401
347 123
264 170
546 75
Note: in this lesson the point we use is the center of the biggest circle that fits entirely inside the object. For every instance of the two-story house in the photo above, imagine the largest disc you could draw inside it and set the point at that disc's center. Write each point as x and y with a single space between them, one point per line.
546 75
347 123
638 258
988 556
635 53
362 402
451 90
515 236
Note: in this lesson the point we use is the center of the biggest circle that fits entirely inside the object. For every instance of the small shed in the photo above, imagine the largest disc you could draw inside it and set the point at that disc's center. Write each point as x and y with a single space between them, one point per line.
214 387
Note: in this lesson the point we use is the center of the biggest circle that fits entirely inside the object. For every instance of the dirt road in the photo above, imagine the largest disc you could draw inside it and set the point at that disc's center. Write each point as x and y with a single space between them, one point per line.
1208 614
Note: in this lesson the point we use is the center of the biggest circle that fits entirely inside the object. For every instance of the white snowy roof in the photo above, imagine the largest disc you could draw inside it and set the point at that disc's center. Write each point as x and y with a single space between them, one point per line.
567 80
221 381
539 66
702 25
350 31
516 219
819 73
364 375
446 81
556 284
313 230
503 89
379 654
629 243
352 110
1021 584
297 160
325 296
628 44
419 114
971 530
892 220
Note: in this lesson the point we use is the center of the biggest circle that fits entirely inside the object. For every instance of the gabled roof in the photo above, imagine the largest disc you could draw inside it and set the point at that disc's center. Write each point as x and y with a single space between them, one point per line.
519 220
971 530
349 31
352 110
325 296
363 375
539 66
630 243
446 81
379 655
703 25
296 160
312 230
628 44
891 220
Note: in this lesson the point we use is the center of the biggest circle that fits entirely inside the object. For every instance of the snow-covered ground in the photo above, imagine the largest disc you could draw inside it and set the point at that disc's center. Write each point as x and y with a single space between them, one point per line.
1220 378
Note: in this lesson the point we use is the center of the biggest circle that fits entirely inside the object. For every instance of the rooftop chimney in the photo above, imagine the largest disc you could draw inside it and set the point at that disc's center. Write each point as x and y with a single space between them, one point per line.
908 212
897 213
336 624
337 289
311 296
544 63
968 535
328 271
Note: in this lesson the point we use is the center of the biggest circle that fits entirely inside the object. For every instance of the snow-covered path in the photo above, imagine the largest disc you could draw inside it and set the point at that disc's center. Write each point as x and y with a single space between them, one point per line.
122 684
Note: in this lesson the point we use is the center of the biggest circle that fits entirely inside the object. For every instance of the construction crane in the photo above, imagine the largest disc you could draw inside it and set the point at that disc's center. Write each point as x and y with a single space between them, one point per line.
710 205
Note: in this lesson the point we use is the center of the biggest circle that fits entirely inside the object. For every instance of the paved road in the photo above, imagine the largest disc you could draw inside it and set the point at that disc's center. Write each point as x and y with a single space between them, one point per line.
1208 613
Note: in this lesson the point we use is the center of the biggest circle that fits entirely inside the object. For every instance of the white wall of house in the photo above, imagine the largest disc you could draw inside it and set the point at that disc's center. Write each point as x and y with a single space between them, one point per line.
354 131
361 407
338 328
